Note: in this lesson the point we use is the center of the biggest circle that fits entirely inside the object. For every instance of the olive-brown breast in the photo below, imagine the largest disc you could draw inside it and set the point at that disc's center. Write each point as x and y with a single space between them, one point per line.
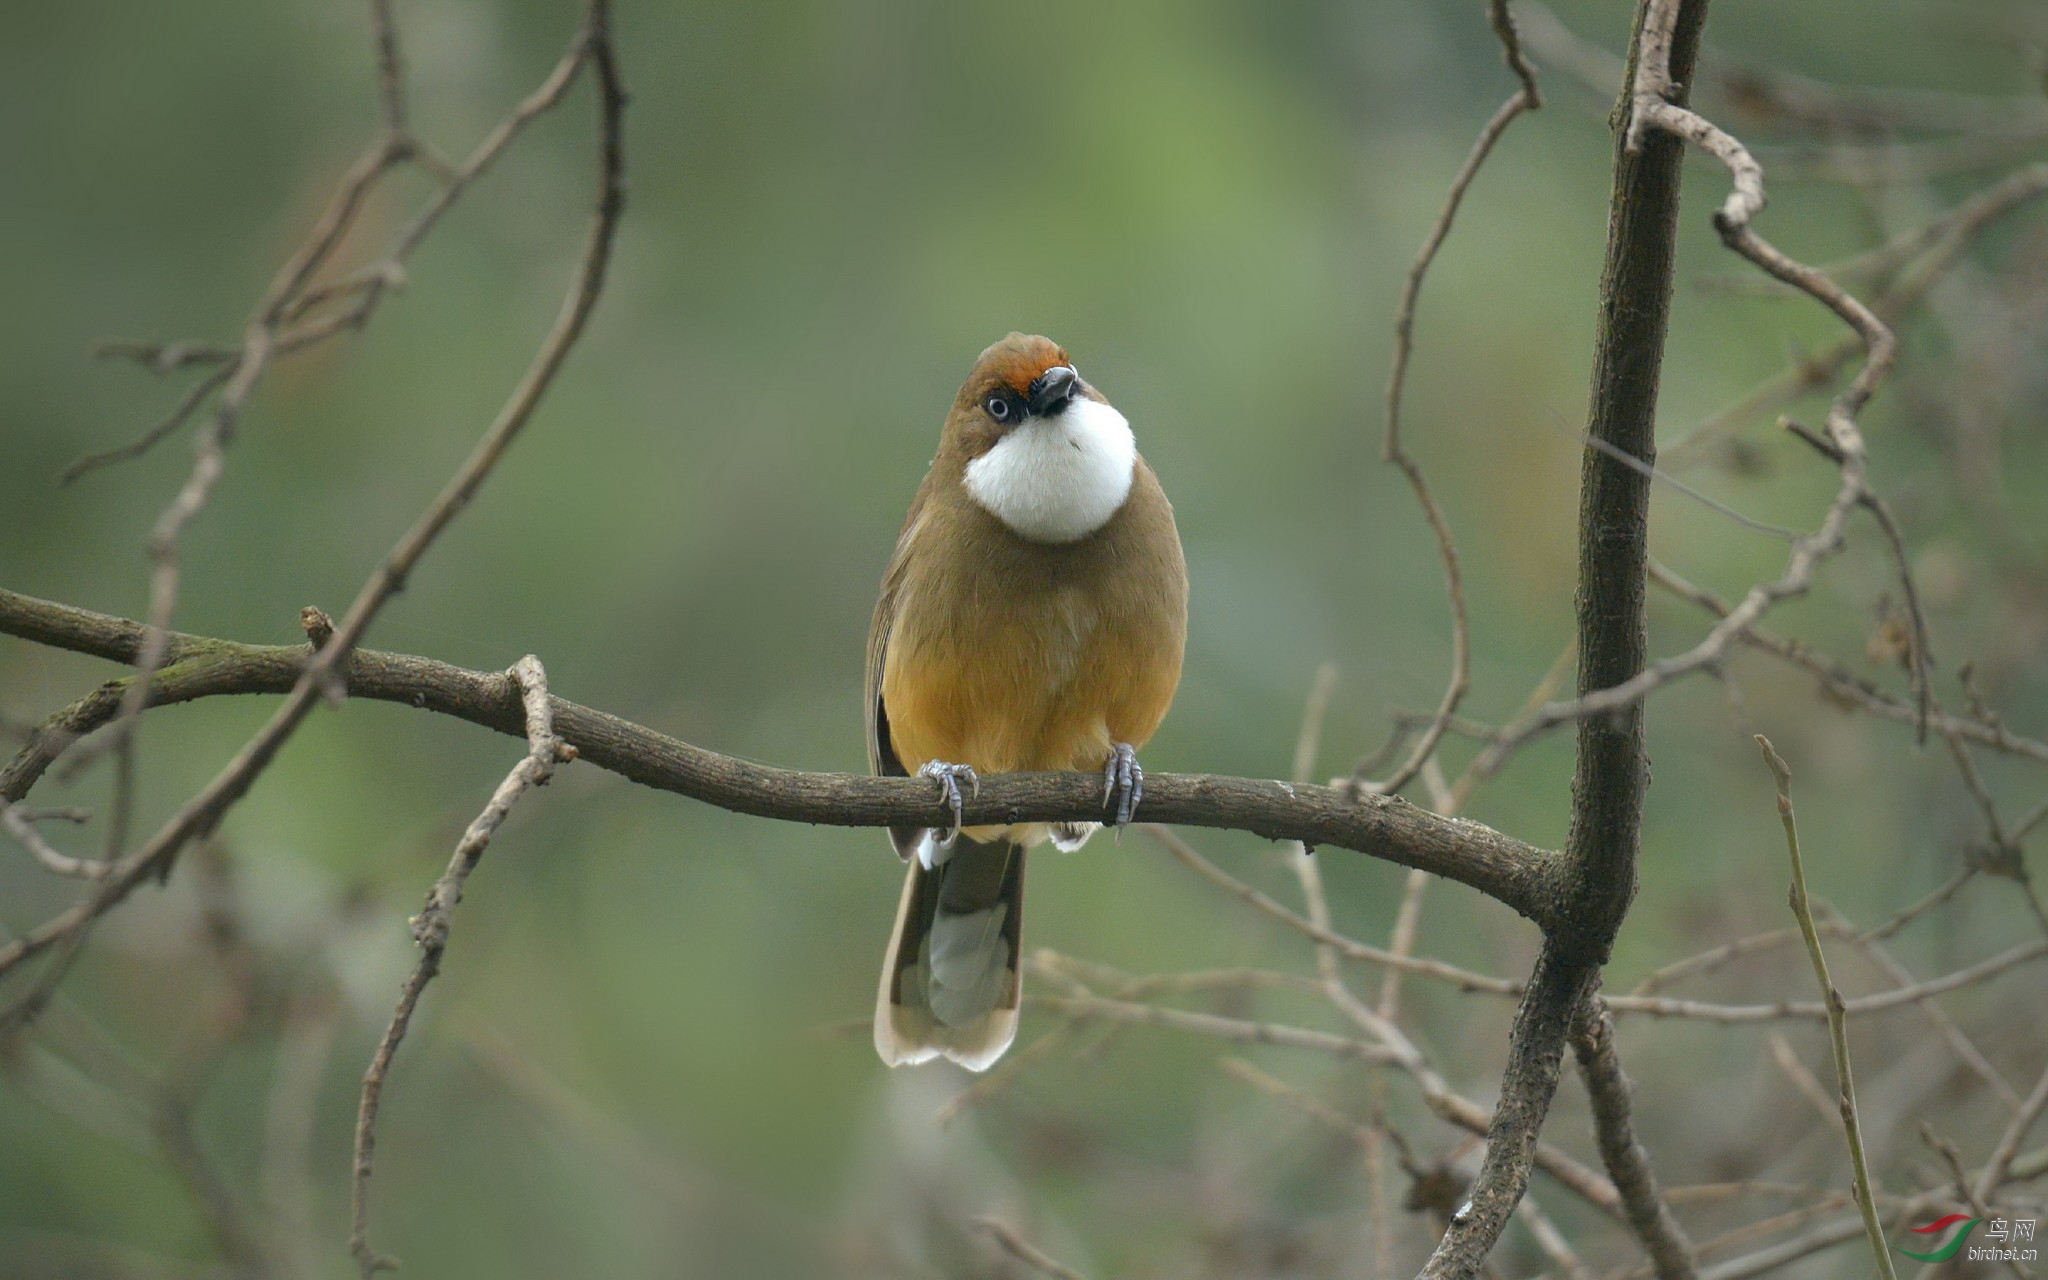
1007 654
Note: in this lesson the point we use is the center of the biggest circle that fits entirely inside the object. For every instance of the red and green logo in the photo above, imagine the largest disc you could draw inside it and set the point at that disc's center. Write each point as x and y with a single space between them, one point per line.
1961 1224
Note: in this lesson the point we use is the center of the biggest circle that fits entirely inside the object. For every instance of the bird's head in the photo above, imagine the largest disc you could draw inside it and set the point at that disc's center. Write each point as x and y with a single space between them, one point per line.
1042 450
1019 378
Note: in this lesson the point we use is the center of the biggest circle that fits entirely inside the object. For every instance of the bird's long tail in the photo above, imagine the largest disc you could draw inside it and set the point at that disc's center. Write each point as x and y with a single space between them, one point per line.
950 981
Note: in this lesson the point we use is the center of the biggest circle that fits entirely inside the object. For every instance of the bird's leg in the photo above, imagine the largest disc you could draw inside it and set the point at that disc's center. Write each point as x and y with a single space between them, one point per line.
1123 781
948 777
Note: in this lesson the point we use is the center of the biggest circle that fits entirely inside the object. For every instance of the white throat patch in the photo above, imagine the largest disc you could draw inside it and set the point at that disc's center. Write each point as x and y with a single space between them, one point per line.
1058 479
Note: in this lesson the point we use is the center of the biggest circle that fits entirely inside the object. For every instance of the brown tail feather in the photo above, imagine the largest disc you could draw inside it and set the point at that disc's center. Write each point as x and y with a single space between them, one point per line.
951 980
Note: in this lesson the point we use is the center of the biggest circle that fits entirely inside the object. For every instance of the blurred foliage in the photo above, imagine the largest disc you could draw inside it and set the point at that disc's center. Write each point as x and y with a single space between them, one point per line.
833 208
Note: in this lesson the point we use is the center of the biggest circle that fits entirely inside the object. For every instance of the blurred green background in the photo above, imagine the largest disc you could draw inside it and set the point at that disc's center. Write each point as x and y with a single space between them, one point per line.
833 207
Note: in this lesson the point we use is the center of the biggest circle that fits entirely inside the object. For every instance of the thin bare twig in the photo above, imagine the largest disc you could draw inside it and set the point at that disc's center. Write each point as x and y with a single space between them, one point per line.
1627 1162
1350 948
1569 1173
1838 1024
1744 202
289 331
203 811
1372 1140
1916 278
1309 872
54 813
1008 1239
2025 825
1400 942
1236 1030
2001 1161
430 931
304 1042
1129 986
1849 1228
390 70
1306 1103
1952 1159
997 1079
1966 220
1808 1085
232 1234
1897 997
187 405
1525 98
1965 1049
1918 658
21 826
1973 782
1869 942
1906 915
1551 1240
1839 682
1495 754
1713 958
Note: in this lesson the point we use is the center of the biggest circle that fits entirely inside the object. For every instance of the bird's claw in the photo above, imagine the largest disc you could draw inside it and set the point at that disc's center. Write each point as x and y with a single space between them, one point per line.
948 777
1123 781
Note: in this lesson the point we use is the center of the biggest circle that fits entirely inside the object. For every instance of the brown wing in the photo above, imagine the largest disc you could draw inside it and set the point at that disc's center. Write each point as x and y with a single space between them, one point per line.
881 751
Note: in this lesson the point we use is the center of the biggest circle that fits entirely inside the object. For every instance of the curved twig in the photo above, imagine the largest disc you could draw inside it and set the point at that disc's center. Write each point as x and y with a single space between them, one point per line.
1526 98
430 930
152 647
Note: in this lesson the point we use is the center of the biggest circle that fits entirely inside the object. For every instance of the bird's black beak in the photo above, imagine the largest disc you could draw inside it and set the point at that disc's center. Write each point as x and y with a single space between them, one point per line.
1051 390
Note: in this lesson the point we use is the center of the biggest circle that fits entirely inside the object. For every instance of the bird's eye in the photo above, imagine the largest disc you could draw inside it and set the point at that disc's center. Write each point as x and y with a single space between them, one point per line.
998 406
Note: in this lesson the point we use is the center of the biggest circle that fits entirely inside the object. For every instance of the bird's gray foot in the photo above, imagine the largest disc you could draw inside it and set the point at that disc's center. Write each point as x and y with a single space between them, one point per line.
948 777
1123 783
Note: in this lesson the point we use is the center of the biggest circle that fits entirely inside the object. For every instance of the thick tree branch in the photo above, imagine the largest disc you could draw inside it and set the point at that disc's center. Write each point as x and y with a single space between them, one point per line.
1612 770
1517 874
